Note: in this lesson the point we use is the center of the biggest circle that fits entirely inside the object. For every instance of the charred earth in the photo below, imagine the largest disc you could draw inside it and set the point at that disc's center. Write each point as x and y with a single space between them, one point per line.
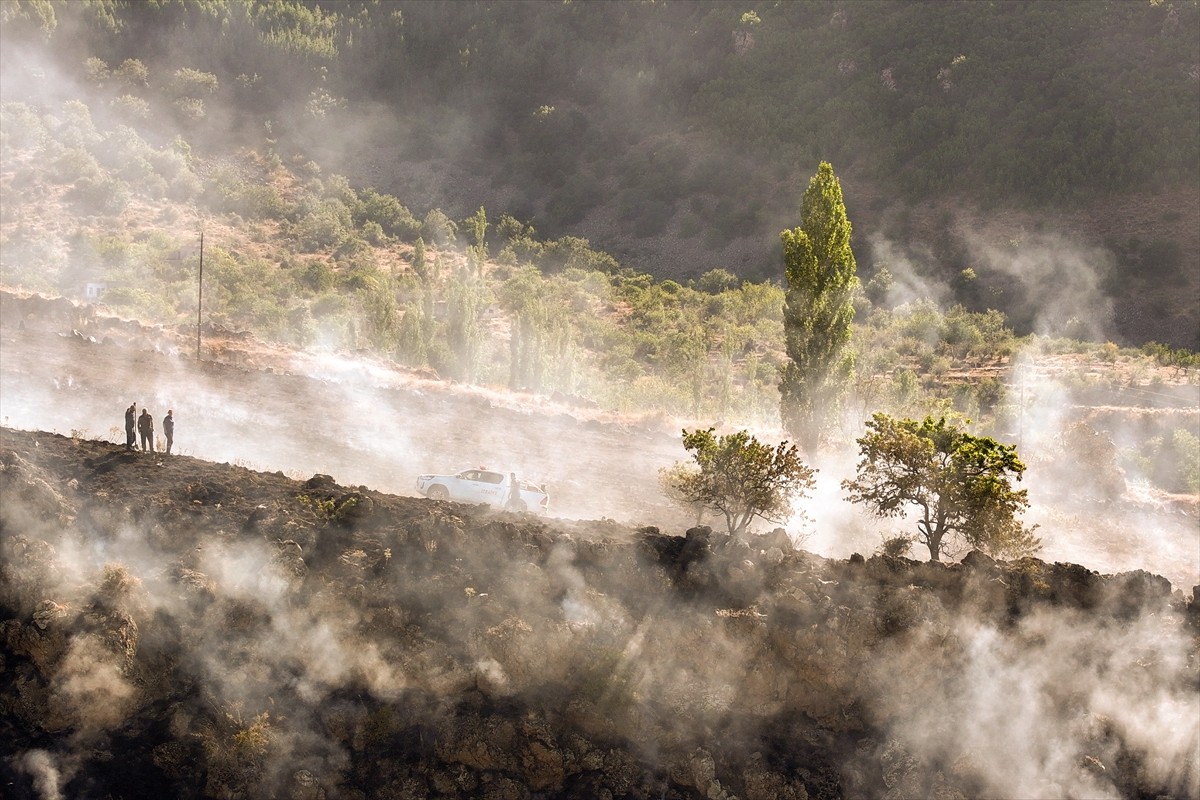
172 627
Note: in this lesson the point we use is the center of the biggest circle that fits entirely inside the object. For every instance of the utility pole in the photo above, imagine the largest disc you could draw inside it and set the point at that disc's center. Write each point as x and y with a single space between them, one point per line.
200 298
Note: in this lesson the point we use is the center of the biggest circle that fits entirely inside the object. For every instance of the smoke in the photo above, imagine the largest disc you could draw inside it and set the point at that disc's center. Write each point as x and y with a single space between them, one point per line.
1061 279
909 283
90 692
1036 707
40 767
1037 711
1074 433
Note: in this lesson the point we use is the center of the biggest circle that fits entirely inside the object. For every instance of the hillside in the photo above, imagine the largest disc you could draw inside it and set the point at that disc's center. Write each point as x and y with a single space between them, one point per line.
176 627
1051 147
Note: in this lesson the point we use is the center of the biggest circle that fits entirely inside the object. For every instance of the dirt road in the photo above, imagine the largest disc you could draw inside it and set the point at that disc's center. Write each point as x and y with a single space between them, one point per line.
354 420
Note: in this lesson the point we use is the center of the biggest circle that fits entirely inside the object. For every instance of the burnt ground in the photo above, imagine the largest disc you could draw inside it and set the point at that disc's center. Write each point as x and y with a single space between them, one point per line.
175 627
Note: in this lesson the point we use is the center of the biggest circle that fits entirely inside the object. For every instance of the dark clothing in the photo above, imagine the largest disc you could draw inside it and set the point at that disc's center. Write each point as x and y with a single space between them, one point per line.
169 431
146 429
130 418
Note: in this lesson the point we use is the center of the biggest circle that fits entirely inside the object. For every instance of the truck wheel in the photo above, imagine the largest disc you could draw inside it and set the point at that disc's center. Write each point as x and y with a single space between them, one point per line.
438 492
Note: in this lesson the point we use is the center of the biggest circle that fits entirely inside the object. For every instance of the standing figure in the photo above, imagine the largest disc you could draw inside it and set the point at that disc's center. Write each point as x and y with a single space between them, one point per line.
169 428
146 429
130 420
514 501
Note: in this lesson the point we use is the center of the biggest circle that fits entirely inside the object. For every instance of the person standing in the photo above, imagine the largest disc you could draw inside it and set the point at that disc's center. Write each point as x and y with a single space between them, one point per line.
514 501
146 429
130 421
169 428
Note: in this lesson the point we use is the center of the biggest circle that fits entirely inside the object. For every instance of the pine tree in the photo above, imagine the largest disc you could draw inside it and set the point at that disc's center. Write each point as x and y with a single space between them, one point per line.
820 271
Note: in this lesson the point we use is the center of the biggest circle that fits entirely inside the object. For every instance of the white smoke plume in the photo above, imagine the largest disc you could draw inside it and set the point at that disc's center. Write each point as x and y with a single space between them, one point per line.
47 780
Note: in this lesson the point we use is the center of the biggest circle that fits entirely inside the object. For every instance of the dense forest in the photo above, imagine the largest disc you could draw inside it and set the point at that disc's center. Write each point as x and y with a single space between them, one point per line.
1013 139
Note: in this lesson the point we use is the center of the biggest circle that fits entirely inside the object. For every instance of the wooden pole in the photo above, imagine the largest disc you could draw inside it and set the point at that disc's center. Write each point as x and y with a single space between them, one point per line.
200 298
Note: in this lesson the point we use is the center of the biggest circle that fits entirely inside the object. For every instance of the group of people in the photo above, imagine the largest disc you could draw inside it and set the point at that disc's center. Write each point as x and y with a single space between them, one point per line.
144 426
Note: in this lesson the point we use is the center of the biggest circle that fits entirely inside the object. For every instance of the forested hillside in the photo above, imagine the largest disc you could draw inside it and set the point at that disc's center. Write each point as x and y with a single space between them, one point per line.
1045 146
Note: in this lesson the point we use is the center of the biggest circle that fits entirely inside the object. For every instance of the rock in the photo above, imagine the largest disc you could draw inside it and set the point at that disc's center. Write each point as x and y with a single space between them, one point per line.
978 560
760 783
320 481
47 612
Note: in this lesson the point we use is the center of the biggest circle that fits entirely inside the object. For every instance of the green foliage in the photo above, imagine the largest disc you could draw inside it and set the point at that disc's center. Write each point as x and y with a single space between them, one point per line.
716 281
188 82
896 546
960 484
419 263
133 73
571 252
438 229
325 227
520 243
387 212
1084 448
820 271
1170 461
739 478
1181 359
36 15
464 336
132 107
330 509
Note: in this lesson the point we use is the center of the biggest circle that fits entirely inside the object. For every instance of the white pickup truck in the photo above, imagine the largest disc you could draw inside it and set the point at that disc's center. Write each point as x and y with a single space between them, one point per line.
483 486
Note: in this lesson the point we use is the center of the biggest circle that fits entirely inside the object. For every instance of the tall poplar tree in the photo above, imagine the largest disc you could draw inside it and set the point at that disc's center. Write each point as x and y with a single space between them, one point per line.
820 271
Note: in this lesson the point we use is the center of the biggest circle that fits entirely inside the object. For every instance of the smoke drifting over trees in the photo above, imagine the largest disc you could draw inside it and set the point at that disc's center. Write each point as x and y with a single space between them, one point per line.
298 625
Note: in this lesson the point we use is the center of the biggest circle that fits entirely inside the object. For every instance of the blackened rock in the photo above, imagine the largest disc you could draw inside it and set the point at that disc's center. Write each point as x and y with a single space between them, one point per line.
978 560
320 481
1133 592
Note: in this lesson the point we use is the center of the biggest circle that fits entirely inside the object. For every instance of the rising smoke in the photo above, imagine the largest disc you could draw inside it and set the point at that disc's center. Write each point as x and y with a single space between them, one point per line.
1017 711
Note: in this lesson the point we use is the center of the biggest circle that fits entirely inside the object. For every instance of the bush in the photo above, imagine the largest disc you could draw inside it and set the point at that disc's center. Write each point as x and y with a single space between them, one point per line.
324 227
895 546
103 194
388 213
131 107
716 281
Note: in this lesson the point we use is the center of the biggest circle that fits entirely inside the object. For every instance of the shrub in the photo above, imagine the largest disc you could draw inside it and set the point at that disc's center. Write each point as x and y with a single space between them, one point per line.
895 546
132 107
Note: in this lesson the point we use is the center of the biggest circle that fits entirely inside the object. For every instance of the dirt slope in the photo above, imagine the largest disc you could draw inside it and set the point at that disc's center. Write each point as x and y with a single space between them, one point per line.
172 627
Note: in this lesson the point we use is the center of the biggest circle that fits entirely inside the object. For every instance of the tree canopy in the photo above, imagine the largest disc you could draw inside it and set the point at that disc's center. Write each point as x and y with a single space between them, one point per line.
820 270
961 484
738 478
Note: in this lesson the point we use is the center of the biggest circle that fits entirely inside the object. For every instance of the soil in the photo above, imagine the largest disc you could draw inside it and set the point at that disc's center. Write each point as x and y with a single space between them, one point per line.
175 627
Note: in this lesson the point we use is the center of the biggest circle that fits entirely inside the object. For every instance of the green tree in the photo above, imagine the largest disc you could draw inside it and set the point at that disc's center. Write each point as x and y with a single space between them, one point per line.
418 261
961 484
477 225
134 73
738 477
818 308
464 336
